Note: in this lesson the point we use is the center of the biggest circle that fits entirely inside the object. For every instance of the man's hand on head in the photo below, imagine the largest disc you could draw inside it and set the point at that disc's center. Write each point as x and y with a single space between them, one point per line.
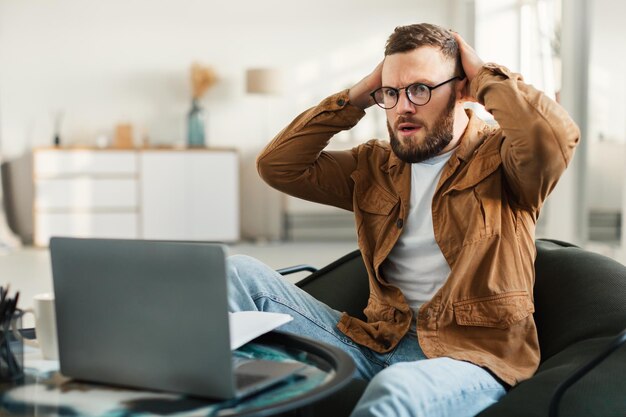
470 60
360 93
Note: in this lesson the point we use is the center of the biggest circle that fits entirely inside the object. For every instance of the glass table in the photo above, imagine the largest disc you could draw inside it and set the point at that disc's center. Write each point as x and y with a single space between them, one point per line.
45 392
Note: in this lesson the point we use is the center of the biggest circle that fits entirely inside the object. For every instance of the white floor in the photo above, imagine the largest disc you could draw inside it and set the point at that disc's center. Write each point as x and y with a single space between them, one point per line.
28 271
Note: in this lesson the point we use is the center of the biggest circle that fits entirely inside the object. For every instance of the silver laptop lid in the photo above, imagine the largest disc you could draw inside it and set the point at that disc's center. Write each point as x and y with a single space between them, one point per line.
146 314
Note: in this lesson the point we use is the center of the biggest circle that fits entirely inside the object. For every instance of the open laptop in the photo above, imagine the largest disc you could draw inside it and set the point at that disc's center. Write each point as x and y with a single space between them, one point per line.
151 315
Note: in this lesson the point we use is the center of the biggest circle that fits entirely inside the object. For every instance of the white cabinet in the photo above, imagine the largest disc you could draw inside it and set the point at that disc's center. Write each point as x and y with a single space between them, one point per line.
84 224
51 162
192 195
150 194
84 193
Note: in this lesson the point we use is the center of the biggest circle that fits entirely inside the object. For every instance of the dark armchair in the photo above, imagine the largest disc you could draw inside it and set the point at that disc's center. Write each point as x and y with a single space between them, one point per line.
580 303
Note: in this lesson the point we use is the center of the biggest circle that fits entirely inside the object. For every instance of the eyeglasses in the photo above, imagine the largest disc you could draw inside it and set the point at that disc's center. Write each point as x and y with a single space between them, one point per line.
418 94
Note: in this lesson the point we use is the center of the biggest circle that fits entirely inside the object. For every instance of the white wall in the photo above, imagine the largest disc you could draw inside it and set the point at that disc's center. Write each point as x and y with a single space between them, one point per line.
497 36
107 62
507 32
607 108
607 114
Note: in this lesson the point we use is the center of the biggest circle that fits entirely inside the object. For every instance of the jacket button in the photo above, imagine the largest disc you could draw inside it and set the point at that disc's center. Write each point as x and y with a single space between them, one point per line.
399 223
341 102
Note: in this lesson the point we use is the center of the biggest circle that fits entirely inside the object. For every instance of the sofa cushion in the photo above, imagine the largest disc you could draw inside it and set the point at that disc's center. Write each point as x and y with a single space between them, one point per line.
600 393
579 295
343 284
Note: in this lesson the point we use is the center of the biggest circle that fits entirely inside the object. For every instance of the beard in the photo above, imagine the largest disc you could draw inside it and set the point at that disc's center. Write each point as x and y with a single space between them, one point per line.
435 141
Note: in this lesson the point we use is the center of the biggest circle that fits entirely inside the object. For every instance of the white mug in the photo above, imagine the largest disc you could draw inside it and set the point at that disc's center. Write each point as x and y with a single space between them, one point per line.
45 326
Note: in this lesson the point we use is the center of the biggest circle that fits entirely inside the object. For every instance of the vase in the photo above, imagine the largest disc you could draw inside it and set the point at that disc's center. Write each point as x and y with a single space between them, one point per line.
195 125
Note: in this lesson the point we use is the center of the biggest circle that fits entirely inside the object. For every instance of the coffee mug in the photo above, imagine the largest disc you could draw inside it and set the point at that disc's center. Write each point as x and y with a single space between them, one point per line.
45 326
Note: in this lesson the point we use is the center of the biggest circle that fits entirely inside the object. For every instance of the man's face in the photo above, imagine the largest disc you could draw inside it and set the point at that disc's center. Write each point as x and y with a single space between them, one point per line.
418 133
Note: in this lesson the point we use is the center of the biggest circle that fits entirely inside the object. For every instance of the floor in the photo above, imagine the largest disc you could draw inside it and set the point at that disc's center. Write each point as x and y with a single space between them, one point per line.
28 271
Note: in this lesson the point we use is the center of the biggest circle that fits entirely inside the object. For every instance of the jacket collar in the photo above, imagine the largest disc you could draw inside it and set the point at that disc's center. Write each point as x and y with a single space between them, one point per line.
393 161
473 136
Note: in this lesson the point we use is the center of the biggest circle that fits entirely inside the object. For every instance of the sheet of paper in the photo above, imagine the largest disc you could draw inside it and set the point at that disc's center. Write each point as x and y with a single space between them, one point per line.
248 325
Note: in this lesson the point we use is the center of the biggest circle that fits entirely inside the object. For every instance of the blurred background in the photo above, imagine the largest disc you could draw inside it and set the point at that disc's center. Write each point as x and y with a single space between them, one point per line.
98 76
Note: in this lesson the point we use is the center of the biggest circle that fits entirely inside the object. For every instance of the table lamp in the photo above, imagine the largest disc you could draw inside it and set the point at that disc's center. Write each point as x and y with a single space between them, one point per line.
264 81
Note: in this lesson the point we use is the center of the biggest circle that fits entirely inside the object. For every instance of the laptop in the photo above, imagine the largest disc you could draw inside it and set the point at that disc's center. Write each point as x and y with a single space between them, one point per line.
151 315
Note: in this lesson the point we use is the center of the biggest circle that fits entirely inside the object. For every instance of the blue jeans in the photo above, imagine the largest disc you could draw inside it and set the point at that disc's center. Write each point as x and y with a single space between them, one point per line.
403 382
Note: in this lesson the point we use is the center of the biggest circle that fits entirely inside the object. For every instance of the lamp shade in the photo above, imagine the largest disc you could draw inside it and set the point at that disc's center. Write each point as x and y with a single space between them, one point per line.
263 81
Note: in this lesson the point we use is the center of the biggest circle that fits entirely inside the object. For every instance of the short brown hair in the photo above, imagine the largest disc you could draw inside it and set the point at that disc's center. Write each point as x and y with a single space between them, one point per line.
408 38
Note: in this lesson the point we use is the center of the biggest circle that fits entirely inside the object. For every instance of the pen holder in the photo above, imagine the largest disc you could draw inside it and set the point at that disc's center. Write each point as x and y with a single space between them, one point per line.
11 350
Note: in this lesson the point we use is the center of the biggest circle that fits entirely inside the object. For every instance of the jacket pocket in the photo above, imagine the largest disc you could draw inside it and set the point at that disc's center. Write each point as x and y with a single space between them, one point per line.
477 171
374 199
474 201
497 311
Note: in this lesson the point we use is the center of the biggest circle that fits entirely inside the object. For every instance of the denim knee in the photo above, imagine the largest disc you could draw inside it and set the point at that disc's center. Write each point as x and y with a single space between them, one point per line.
239 263
247 278
388 394
248 269
432 387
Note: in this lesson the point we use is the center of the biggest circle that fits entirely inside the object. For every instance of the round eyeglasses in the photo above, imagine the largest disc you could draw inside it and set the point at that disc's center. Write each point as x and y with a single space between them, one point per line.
418 94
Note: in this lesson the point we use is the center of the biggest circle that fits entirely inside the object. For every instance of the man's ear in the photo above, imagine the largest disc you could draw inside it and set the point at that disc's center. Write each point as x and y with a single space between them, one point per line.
463 90
461 87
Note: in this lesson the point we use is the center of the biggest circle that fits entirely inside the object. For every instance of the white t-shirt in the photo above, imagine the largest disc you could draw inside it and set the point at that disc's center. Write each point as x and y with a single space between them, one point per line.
416 264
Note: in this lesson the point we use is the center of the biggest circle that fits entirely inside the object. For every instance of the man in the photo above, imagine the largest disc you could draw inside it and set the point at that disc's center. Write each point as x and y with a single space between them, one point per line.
445 217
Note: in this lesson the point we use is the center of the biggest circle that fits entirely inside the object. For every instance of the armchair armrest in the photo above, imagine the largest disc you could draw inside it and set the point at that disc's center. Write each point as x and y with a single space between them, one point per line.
296 268
615 344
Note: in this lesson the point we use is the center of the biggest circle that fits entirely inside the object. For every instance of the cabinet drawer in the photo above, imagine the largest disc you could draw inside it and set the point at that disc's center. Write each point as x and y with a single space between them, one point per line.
85 193
103 225
47 163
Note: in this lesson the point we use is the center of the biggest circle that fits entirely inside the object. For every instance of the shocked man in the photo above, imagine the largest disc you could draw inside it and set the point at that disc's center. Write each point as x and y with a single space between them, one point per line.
445 214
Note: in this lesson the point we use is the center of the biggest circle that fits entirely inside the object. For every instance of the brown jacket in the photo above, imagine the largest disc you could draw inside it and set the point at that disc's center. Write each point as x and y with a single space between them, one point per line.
484 213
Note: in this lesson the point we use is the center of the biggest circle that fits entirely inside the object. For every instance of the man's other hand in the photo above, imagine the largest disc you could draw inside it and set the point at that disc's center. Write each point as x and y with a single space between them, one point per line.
470 60
360 93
